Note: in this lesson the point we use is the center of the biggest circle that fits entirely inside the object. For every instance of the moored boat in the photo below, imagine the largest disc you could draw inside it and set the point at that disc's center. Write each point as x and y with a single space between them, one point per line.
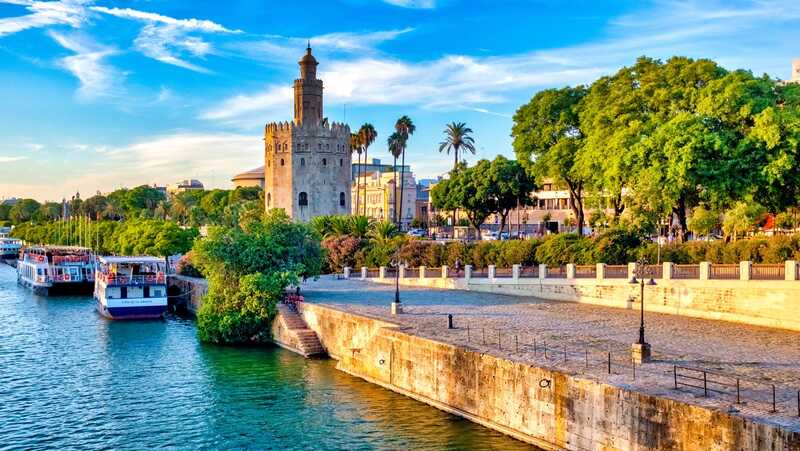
131 287
49 270
9 248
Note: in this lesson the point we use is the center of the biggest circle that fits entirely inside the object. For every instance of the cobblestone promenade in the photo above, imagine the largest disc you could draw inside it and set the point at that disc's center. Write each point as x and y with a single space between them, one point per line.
578 338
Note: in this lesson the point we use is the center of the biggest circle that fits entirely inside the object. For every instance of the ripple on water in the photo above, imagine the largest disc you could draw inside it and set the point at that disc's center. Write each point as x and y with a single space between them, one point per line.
71 379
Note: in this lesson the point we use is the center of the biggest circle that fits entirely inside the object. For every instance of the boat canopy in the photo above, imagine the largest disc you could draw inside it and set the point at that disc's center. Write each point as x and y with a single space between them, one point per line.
114 260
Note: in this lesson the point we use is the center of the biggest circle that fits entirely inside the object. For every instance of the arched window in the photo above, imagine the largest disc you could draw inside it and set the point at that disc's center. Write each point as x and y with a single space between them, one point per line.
281 161
341 162
285 146
302 162
303 200
324 162
327 146
319 146
269 200
341 200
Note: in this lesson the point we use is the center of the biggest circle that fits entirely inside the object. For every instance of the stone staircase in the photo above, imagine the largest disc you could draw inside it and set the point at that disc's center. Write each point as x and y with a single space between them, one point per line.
293 333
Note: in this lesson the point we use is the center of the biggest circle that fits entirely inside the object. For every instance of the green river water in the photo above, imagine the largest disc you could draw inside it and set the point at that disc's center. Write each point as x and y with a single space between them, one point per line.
72 379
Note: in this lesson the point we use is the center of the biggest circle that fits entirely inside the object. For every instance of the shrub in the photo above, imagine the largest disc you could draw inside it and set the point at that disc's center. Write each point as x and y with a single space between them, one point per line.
340 251
185 267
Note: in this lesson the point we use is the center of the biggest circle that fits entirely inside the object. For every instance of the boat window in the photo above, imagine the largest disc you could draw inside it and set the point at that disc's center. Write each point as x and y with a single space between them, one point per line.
146 292
123 292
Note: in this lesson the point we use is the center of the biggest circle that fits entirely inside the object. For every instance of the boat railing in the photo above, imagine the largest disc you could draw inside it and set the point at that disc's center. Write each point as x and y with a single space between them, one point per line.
118 280
61 259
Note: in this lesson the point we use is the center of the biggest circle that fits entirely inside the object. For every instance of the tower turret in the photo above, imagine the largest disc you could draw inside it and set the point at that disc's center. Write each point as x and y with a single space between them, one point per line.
308 91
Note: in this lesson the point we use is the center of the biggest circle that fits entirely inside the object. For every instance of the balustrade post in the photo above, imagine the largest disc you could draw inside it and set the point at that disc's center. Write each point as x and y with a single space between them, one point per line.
601 271
705 270
402 270
382 272
542 271
421 272
667 271
346 272
364 272
570 270
444 271
745 270
515 272
467 272
631 270
492 272
790 270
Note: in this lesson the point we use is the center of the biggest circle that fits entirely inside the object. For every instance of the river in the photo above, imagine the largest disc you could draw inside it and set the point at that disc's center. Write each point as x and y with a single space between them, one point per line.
72 379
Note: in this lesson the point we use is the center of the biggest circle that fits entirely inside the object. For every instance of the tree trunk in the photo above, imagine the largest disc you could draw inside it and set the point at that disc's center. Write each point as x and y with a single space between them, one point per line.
402 185
503 217
366 151
680 210
619 207
576 198
358 184
394 165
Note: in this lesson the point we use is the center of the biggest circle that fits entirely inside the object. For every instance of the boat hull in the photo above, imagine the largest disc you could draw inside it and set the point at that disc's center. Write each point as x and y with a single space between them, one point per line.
132 311
58 289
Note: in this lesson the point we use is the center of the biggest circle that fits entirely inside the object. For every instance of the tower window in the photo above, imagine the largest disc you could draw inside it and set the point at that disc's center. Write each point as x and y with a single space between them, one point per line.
285 146
327 147
324 162
268 163
319 146
305 146
341 200
269 200
341 162
302 162
281 161
303 200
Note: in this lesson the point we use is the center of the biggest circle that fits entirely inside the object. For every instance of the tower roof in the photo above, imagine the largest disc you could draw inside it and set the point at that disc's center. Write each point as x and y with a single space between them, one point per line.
308 58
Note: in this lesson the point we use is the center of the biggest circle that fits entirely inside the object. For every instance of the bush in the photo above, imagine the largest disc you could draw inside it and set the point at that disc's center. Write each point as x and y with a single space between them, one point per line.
340 251
185 267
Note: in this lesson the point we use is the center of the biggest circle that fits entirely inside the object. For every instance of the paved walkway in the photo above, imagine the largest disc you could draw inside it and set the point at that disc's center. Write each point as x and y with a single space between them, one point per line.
579 337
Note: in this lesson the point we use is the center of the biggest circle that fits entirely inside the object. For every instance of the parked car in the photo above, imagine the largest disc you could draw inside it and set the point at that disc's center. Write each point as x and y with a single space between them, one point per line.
417 233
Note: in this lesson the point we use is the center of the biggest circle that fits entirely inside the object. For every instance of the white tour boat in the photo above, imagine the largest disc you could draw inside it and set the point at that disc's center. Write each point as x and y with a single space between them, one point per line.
131 287
9 248
54 269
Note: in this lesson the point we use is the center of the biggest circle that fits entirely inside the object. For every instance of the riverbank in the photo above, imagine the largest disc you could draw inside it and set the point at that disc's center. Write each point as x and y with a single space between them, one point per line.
497 384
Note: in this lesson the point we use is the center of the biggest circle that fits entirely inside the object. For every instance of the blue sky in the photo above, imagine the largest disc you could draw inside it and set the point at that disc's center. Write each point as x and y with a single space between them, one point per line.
101 94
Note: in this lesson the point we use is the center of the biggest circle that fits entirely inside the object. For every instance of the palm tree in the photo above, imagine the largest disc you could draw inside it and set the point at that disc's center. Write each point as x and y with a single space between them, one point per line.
457 136
405 128
360 225
395 144
367 134
355 145
382 232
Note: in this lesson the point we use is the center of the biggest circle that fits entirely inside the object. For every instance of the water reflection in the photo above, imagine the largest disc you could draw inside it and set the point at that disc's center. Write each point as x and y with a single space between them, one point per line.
74 379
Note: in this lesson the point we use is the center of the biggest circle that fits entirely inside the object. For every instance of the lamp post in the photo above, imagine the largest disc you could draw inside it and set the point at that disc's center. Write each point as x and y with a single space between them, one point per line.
396 307
641 351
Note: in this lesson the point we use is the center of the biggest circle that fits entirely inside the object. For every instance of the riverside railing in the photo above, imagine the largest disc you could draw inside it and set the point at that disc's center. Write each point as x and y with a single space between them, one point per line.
789 271
587 358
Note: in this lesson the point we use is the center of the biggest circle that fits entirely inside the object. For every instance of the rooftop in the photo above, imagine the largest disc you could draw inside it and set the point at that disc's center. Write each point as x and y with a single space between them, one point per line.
134 259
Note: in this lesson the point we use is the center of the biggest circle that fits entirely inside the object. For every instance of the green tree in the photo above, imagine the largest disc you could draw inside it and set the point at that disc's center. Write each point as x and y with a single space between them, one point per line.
741 218
24 210
142 200
367 136
703 221
470 189
512 186
405 127
396 146
548 138
457 136
50 211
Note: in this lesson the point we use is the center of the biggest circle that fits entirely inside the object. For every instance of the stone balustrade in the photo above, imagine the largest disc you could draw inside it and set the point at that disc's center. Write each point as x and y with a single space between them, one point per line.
666 271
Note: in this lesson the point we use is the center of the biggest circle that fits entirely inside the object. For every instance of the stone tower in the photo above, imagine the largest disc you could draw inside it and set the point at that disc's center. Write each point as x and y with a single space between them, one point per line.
307 161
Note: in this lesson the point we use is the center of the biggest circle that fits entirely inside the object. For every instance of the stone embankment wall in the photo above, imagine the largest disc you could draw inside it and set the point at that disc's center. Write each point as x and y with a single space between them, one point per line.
186 292
773 303
551 409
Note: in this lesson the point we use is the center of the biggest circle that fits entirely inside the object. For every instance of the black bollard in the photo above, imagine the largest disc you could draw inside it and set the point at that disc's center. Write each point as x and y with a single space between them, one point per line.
450 321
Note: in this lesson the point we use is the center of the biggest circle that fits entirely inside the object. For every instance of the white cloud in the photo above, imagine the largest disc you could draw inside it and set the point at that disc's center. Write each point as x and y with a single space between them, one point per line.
97 78
11 159
167 39
417 4
44 14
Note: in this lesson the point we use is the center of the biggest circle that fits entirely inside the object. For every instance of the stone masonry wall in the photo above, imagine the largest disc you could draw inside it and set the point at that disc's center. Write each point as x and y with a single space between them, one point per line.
551 409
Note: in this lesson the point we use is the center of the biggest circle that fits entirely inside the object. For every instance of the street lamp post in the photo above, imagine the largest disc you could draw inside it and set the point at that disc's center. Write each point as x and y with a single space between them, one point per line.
396 307
641 351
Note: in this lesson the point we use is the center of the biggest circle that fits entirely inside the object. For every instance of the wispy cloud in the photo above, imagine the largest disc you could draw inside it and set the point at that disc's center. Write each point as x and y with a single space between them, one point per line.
44 14
419 4
97 79
11 159
167 39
